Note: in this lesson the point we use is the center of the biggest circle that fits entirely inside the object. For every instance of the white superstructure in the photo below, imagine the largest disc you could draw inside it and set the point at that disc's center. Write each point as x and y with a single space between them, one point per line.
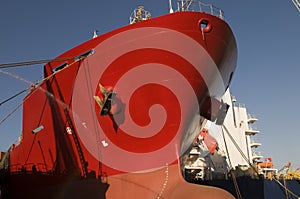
236 149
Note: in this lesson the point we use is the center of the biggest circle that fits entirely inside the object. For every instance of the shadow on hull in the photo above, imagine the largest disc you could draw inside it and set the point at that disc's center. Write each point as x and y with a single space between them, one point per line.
36 186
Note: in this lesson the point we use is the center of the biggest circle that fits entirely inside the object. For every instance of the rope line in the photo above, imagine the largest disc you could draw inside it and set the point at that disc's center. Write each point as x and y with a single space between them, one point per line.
88 81
286 189
27 63
79 58
286 192
240 150
10 98
236 186
51 75
17 107
10 113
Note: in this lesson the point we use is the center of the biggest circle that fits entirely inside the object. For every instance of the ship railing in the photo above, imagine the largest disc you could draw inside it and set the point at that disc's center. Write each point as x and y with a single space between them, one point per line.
255 141
197 6
29 168
252 116
256 153
241 105
253 128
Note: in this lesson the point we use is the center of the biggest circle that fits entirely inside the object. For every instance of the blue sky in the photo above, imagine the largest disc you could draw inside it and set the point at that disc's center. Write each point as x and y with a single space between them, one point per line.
266 79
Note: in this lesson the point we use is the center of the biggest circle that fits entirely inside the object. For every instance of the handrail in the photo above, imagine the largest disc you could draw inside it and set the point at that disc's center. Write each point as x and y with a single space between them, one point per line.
197 6
255 141
240 105
29 167
252 116
252 128
256 153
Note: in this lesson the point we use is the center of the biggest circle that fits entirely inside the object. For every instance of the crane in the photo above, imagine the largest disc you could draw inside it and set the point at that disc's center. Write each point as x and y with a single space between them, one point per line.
294 174
297 4
285 168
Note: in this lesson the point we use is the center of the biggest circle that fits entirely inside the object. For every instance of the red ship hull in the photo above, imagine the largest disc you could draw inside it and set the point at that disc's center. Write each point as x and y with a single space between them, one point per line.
120 116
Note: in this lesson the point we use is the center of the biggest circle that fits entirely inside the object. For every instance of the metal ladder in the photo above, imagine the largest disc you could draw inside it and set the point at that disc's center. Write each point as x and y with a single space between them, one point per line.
76 140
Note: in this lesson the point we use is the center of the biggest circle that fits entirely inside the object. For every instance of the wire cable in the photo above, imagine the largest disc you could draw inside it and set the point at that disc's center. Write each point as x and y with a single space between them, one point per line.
286 189
240 150
27 63
12 97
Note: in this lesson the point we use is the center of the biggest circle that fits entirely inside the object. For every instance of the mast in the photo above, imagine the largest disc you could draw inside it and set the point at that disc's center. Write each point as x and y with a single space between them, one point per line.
170 5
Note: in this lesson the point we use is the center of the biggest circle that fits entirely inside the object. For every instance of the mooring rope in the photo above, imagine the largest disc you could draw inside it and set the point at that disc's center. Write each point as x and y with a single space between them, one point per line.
286 189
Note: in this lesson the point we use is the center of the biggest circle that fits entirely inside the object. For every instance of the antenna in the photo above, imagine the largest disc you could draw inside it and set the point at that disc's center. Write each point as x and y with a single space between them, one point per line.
297 4
170 5
95 33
